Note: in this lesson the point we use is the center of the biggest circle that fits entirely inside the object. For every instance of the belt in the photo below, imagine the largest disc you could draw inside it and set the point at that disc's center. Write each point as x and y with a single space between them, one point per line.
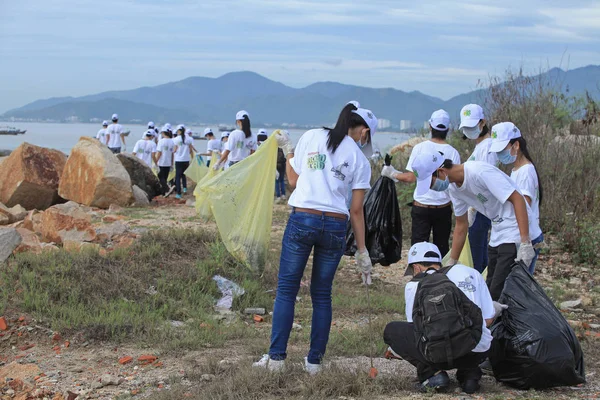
317 212
417 204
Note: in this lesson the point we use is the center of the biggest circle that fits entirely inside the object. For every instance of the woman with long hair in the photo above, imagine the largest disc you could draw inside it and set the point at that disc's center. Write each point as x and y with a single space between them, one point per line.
183 147
241 143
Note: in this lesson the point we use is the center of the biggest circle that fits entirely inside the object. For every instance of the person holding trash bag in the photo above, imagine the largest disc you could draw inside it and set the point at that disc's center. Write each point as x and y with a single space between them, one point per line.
491 192
511 148
326 164
448 311
241 143
474 126
431 210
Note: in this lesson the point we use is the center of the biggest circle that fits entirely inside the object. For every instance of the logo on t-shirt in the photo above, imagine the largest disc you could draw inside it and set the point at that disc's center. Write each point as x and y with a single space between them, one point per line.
316 161
239 145
482 198
467 285
497 219
337 172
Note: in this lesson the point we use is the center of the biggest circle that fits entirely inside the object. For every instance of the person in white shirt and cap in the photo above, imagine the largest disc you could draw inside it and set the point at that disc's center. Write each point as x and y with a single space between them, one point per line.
262 136
431 210
224 139
213 145
241 143
145 149
152 131
115 135
491 192
101 135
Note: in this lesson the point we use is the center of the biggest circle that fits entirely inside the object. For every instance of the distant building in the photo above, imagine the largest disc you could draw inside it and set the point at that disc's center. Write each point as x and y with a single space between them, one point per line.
383 123
405 125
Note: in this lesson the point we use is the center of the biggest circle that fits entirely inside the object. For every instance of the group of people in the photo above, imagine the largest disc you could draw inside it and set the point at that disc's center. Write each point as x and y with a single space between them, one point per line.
330 172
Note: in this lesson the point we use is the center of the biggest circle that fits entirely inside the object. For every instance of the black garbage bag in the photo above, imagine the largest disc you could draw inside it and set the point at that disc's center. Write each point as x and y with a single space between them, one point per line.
534 346
383 223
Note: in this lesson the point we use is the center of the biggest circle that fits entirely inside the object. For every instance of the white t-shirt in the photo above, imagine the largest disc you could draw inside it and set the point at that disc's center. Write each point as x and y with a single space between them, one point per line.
325 178
152 131
182 154
482 153
487 189
101 136
165 147
143 149
527 182
114 130
213 145
240 146
433 198
472 284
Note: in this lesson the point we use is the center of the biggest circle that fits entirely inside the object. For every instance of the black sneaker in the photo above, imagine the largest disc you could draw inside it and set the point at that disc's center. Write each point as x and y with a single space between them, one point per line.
486 367
438 382
470 386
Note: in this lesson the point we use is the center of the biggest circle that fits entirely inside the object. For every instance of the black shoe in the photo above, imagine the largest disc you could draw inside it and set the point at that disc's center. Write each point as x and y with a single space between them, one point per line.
470 386
438 382
486 367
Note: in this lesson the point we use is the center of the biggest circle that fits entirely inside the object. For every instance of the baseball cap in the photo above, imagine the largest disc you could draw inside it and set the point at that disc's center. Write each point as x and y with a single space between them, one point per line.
166 127
470 115
104 123
207 131
440 117
149 132
150 124
371 121
503 133
225 134
115 117
417 253
423 166
262 131
354 103
240 115
180 126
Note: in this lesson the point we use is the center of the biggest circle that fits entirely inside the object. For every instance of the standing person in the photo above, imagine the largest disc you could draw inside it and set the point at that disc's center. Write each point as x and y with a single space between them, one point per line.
212 146
474 126
152 130
511 148
164 161
224 139
431 210
280 178
101 135
241 143
326 165
183 148
262 136
491 192
115 135
145 149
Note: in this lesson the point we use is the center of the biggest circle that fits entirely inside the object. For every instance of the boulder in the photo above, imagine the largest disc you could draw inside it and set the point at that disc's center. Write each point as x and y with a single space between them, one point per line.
66 222
141 197
11 215
141 175
9 240
93 176
30 177
29 242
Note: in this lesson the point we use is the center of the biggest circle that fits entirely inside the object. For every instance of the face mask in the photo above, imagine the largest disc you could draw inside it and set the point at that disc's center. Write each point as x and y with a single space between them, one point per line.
440 185
360 144
505 157
472 133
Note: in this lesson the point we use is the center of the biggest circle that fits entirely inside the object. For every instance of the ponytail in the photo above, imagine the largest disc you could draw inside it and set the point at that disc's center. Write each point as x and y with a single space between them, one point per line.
523 149
343 124
246 126
183 135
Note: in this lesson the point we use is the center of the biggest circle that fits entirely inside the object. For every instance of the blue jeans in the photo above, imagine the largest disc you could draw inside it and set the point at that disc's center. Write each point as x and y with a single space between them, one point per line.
280 185
478 240
535 241
327 235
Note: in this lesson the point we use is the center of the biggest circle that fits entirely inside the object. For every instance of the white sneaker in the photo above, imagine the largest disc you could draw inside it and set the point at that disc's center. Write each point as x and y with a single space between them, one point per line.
278 200
270 365
283 197
312 369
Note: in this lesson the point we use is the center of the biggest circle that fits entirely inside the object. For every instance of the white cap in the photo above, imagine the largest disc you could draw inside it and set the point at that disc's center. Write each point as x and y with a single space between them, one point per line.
166 127
104 123
503 133
423 166
150 132
150 124
224 135
354 103
189 132
470 115
240 115
207 131
262 131
440 117
417 252
180 126
115 116
371 121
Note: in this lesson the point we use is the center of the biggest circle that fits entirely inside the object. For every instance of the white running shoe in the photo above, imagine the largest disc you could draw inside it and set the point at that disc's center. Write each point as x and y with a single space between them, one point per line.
278 200
312 369
283 197
270 365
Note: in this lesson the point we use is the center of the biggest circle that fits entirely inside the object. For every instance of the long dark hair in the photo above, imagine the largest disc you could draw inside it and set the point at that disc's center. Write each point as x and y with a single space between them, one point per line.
525 151
183 135
346 121
246 126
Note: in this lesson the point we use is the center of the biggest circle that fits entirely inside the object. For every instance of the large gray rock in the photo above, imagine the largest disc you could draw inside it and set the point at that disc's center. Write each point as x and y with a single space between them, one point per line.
141 175
9 240
141 197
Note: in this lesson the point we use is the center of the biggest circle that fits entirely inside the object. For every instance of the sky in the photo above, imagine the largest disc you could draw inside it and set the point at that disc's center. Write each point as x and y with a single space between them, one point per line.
441 48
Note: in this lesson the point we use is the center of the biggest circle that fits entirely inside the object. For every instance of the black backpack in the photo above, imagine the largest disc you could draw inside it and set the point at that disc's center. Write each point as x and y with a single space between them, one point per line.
448 325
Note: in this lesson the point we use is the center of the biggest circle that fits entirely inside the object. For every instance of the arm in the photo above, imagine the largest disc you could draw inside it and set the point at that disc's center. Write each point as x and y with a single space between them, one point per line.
158 156
224 156
290 172
123 139
357 218
460 235
489 321
518 203
407 177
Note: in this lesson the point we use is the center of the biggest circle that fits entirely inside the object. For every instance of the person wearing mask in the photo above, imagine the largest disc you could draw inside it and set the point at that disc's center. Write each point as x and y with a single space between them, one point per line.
511 148
431 210
183 149
115 135
326 164
102 133
152 131
164 161
212 146
491 192
474 126
145 149
241 143
224 139
262 136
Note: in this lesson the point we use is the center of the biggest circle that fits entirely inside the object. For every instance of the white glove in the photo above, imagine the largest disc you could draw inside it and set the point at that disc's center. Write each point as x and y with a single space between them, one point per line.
525 253
498 308
472 213
217 166
276 175
364 264
283 141
388 171
451 262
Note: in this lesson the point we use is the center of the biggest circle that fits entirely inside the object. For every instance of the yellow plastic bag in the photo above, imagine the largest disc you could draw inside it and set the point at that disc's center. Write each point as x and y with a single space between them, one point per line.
466 258
171 174
241 202
197 169
202 203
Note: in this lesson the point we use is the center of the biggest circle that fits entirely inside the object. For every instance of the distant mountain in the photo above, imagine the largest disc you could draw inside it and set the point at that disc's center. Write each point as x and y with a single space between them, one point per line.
215 100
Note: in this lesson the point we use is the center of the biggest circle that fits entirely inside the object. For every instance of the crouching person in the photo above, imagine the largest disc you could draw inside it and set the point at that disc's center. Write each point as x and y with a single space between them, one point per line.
448 311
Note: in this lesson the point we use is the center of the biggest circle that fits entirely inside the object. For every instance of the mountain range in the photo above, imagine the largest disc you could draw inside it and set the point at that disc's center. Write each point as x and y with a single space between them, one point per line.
216 100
